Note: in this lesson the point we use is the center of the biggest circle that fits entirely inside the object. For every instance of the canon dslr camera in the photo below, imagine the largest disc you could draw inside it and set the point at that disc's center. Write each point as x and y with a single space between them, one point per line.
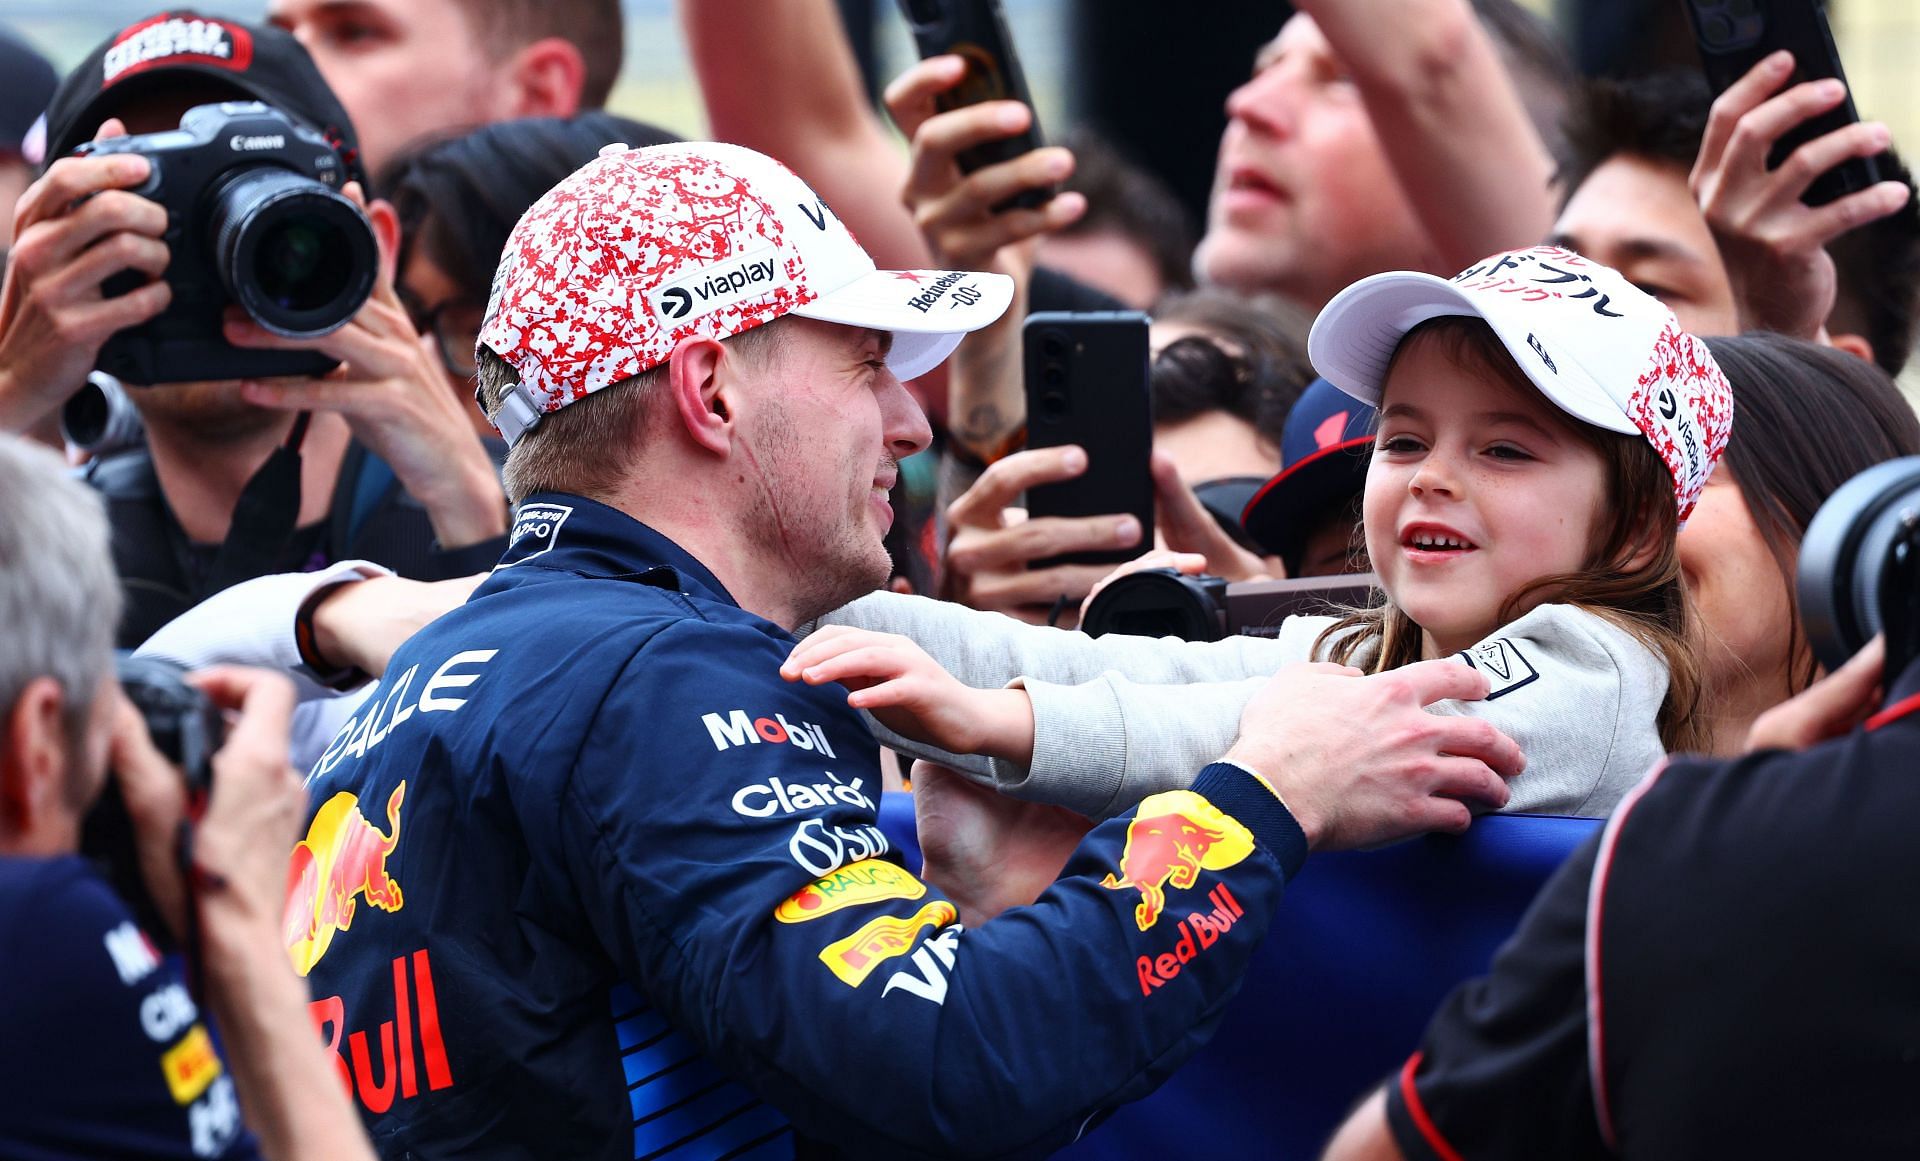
254 216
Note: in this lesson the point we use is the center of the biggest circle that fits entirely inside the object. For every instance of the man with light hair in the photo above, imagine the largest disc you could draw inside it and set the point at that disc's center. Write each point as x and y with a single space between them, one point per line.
110 1054
588 878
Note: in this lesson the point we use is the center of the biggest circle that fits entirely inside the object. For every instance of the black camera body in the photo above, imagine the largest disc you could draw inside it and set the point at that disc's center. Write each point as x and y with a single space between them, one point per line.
254 216
186 728
1859 571
1161 602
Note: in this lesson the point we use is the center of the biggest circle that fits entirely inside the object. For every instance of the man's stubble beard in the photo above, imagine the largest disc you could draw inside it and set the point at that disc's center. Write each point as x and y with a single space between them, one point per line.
205 413
820 577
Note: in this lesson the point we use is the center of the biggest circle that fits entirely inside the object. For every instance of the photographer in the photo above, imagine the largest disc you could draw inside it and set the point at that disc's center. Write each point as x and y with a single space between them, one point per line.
110 1055
240 476
1719 973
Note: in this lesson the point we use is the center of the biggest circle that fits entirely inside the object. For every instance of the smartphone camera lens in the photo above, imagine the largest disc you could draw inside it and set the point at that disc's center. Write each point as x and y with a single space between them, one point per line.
1743 9
923 11
1053 345
1719 30
1053 375
1053 404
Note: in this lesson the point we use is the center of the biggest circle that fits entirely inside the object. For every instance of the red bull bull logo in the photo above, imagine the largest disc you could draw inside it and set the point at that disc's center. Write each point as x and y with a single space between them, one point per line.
342 860
1172 838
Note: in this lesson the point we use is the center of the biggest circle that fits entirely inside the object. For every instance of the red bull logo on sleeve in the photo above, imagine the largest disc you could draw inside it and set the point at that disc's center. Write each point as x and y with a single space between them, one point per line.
343 859
1173 837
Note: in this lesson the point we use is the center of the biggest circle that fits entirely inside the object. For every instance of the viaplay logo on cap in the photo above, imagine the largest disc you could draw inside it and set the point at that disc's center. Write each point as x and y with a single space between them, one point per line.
172 40
705 291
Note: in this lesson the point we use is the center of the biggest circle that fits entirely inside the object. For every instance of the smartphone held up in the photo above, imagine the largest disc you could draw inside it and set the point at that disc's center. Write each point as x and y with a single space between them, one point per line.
976 31
1733 36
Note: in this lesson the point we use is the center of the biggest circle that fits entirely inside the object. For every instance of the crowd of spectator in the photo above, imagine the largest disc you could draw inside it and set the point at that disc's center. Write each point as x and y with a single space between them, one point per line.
619 704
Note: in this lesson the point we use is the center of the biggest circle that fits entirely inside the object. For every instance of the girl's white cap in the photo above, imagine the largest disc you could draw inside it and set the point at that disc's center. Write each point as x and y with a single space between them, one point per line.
1603 350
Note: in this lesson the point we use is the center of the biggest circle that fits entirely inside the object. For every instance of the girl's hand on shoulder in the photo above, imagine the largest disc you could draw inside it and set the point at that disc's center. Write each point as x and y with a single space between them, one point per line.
908 692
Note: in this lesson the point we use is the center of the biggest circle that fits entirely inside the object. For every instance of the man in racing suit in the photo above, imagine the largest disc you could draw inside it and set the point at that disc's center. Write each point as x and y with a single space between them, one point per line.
584 865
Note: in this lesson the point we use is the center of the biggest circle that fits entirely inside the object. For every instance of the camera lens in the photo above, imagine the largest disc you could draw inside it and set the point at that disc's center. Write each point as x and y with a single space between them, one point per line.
1053 345
923 11
1719 30
1053 404
299 257
1053 375
1843 557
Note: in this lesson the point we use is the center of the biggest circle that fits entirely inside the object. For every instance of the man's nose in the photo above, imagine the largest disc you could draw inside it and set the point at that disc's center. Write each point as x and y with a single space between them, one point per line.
906 425
1266 102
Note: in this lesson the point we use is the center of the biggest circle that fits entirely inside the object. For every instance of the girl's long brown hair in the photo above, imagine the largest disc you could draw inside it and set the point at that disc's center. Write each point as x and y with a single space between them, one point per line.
1648 599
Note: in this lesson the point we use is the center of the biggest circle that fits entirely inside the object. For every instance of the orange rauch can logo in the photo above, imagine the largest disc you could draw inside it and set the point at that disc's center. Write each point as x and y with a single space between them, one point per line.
343 856
1172 838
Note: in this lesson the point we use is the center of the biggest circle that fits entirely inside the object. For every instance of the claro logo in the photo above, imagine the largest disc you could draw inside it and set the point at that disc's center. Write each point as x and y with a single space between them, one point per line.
737 729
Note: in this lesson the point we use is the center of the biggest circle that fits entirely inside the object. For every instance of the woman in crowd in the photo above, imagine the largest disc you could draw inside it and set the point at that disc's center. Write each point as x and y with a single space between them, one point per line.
1811 418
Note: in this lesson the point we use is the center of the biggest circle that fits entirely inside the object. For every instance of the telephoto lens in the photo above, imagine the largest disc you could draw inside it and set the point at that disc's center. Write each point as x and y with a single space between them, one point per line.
297 256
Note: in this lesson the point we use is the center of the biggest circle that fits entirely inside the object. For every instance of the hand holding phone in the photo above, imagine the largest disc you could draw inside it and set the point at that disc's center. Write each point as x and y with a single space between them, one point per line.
1086 379
976 31
1766 212
1734 36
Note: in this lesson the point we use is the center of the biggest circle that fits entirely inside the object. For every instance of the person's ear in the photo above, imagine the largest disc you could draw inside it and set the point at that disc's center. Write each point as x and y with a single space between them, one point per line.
385 221
1856 345
547 77
33 762
699 380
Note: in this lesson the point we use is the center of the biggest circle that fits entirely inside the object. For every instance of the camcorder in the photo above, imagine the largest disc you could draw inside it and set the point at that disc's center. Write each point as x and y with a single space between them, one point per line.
1161 602
255 216
1859 572
186 727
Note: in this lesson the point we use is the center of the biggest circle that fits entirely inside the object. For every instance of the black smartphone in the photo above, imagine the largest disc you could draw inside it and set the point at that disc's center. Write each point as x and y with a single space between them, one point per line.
976 31
1086 377
1735 35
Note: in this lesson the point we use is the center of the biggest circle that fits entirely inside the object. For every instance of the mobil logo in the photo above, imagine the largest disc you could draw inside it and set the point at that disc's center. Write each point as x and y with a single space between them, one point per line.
737 728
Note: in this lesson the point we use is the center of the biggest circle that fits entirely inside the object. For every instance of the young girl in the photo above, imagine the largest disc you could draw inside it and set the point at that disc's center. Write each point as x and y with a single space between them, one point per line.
1545 428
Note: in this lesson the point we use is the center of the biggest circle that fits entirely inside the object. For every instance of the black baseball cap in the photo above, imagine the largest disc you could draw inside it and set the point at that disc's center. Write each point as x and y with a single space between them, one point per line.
258 62
1323 457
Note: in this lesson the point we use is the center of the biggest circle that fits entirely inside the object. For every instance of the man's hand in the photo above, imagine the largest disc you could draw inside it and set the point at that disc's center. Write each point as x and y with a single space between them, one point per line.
256 805
358 624
72 230
1358 760
988 852
1187 527
1828 708
993 541
907 690
253 811
395 396
1773 245
954 210
985 404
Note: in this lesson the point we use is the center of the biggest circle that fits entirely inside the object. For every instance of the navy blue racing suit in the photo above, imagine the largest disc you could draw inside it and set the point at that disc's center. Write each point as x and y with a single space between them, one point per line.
587 878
